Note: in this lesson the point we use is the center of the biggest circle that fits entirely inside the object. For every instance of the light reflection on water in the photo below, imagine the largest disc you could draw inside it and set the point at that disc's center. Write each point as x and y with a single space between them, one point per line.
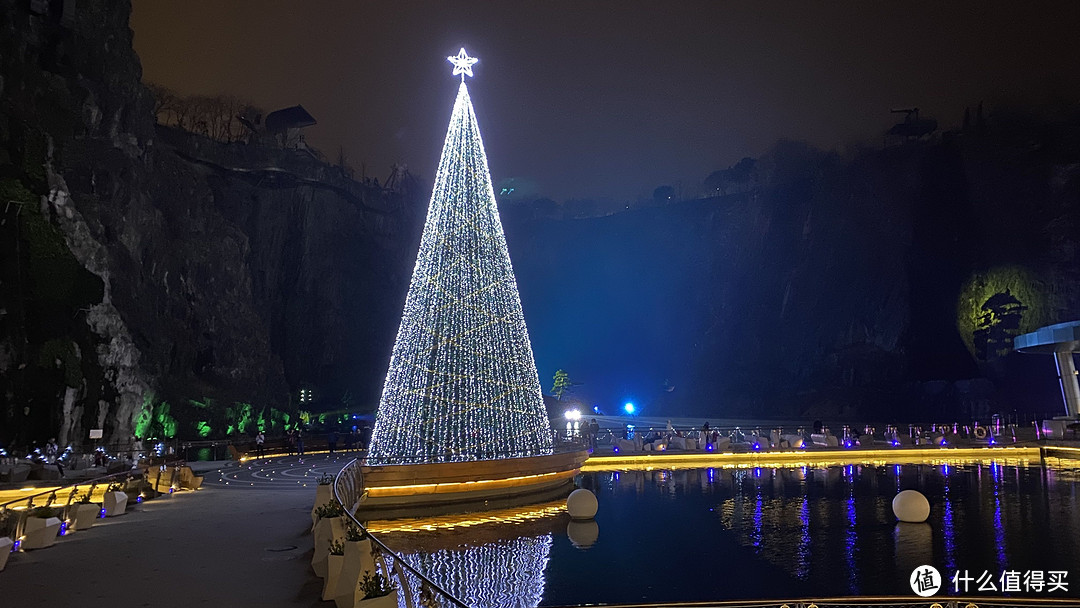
715 534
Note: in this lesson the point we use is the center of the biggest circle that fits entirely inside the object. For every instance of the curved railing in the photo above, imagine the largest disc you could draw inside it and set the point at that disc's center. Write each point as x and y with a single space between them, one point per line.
416 589
23 506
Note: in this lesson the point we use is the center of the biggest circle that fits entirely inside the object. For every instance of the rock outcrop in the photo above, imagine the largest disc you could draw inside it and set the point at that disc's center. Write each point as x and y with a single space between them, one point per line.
142 267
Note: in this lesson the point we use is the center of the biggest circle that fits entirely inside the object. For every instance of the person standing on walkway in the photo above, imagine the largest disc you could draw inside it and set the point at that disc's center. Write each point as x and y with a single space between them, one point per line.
299 441
331 440
260 439
51 452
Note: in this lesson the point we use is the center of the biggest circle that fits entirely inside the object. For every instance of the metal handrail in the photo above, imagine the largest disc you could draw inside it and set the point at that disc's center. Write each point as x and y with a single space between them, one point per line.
72 491
348 490
16 531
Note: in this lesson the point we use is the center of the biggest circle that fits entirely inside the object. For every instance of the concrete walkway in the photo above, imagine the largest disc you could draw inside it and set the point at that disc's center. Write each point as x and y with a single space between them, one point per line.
241 544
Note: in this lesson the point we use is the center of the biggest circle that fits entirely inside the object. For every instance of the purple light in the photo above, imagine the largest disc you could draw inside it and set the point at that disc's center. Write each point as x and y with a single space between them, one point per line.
709 447
63 528
102 514
992 442
139 498
15 547
943 442
756 446
895 442
615 449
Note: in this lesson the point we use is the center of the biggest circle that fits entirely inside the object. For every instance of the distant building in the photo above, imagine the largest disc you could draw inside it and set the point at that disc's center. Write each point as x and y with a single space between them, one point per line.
285 124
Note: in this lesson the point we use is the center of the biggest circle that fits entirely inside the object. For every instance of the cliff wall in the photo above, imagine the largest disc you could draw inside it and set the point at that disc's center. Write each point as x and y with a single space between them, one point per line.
145 268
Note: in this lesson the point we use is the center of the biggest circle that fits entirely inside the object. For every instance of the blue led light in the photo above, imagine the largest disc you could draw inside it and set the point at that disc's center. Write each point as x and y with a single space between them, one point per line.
615 449
628 408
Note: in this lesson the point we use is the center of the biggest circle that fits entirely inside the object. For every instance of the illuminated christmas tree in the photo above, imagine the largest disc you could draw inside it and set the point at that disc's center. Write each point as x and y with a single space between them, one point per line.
462 383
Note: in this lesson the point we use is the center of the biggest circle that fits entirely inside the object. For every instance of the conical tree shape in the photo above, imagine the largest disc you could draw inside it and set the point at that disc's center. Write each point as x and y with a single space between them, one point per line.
462 383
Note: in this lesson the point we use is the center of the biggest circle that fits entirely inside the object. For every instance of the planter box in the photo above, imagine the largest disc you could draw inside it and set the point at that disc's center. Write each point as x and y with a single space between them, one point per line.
83 516
333 574
326 531
189 480
5 550
323 495
386 601
40 532
115 503
357 560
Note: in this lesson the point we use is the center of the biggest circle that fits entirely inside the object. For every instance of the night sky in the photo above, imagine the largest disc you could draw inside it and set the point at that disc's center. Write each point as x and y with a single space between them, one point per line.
610 99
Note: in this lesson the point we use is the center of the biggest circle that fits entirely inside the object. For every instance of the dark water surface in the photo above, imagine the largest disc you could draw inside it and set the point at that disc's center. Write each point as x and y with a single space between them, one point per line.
744 533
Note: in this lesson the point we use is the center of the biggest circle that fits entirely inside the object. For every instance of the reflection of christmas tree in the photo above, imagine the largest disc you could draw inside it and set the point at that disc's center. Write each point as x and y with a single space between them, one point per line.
462 382
500 574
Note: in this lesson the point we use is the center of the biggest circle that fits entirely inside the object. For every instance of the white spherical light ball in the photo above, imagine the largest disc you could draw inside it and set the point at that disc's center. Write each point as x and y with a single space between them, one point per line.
581 504
911 506
583 534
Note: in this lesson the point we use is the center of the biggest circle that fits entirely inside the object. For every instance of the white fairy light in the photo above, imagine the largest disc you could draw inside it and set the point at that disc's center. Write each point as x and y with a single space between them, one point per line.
462 381
500 574
462 64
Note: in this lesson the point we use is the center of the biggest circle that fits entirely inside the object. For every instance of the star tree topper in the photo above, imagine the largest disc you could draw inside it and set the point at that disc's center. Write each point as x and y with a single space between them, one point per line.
462 64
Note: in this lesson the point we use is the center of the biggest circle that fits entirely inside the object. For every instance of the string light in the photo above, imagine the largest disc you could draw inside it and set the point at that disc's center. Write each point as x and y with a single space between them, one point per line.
462 64
462 382
500 574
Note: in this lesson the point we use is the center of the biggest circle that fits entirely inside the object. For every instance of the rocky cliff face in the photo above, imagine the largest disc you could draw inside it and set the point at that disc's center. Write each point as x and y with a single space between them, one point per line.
887 285
141 266
140 269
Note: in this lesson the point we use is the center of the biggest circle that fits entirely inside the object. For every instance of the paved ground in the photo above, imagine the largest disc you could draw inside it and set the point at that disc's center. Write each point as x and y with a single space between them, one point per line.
240 541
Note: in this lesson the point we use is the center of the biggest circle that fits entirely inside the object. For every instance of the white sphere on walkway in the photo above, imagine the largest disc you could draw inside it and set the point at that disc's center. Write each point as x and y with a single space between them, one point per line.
581 504
911 506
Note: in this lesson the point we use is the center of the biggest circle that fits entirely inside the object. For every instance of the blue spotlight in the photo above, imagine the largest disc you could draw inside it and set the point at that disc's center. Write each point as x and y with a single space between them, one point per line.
628 408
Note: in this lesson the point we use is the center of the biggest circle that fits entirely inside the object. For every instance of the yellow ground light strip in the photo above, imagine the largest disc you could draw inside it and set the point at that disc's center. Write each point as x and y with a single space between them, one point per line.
466 486
797 458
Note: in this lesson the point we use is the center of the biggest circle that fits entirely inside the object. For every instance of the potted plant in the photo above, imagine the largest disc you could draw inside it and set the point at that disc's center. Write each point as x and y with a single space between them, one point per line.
82 514
358 558
334 562
377 592
42 526
9 519
329 526
324 493
115 501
